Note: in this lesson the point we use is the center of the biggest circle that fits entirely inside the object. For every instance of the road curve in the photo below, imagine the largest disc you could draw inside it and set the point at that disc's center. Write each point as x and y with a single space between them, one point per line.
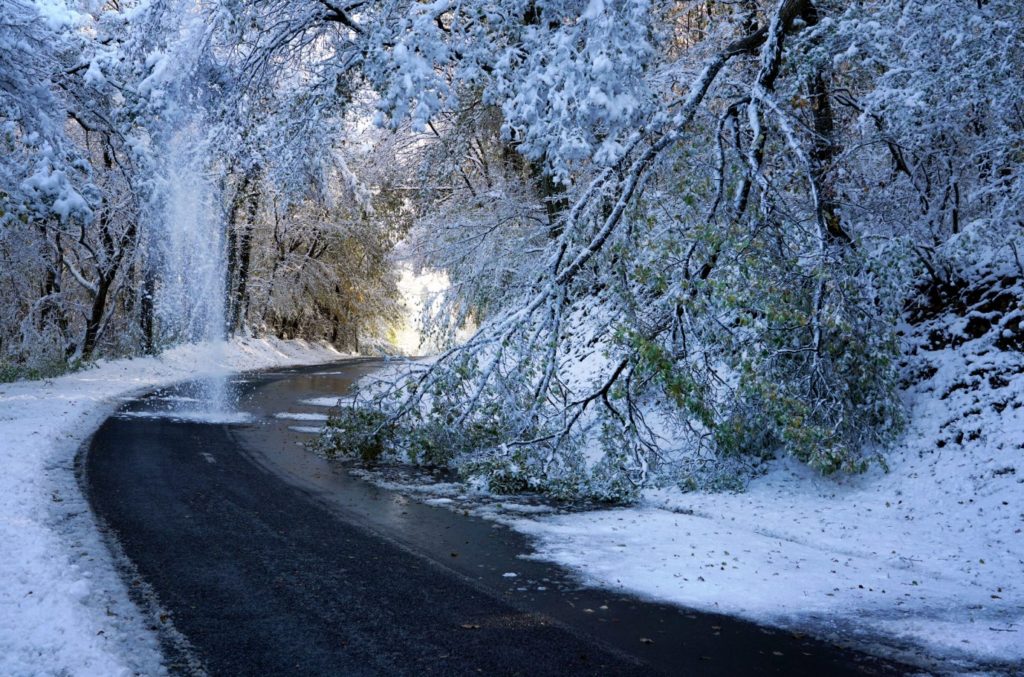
268 560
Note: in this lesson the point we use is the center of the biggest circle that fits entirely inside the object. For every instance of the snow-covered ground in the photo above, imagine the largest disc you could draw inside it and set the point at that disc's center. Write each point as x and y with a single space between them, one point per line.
63 608
927 559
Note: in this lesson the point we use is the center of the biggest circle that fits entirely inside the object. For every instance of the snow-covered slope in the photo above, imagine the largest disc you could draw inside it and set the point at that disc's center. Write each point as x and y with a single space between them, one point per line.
63 608
926 560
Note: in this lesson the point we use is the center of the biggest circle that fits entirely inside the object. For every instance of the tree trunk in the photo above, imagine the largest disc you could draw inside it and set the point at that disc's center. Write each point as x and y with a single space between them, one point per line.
241 301
823 147
240 250
146 311
556 201
232 265
823 153
95 319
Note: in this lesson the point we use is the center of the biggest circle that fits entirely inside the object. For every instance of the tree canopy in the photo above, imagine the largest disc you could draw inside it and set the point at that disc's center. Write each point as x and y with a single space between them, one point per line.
682 235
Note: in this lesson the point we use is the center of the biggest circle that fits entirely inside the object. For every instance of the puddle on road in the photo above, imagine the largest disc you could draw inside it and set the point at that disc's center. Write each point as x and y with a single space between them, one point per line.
213 417
439 487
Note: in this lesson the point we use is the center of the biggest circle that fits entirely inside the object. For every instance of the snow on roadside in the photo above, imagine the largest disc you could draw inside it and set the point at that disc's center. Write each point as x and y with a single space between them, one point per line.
924 563
63 607
926 560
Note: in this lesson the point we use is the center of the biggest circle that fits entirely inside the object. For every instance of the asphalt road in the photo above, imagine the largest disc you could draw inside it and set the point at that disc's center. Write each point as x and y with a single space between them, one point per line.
268 560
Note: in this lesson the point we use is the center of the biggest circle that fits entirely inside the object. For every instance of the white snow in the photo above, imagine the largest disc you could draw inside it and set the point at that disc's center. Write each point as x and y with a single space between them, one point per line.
306 429
928 557
328 402
63 608
299 416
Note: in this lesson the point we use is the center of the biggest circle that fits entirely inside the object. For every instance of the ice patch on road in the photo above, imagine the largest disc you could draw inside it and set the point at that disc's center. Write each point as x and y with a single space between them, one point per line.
328 402
298 416
306 429
525 508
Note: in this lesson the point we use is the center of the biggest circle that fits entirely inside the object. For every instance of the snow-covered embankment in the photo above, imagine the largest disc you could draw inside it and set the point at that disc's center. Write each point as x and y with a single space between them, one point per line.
63 608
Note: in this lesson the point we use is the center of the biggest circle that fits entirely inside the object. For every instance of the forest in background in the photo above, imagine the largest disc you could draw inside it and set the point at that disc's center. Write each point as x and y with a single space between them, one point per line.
95 99
688 235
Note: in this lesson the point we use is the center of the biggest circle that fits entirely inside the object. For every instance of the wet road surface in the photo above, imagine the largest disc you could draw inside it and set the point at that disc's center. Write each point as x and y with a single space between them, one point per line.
270 560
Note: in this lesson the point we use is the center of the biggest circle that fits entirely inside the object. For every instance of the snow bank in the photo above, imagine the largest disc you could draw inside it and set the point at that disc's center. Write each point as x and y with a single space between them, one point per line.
63 608
925 562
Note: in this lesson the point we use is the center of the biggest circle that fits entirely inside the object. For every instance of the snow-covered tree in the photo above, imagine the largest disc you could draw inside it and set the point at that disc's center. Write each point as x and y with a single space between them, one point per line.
93 99
683 233
691 267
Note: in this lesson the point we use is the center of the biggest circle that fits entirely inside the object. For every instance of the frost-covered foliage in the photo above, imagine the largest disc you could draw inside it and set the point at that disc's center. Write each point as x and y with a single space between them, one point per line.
61 193
568 76
681 234
43 171
686 231
93 99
